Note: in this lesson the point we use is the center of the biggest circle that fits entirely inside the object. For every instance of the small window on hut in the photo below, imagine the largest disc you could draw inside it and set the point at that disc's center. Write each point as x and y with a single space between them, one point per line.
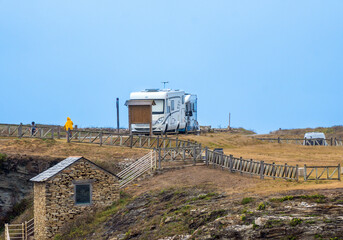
82 194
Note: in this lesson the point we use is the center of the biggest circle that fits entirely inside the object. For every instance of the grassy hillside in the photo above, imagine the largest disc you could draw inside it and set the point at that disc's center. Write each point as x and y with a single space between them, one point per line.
249 148
205 203
334 132
107 156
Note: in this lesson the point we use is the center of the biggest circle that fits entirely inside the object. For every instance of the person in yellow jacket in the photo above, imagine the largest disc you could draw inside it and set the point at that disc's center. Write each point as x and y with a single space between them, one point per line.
68 126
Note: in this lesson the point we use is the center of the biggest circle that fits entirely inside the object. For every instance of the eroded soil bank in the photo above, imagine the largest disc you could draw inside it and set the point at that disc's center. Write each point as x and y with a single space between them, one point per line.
15 173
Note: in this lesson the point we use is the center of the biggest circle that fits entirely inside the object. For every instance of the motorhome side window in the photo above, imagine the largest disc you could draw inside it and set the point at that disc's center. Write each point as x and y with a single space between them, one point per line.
159 107
172 105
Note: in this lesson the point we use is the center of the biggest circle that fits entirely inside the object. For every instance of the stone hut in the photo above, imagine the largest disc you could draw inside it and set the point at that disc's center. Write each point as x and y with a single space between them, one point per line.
71 187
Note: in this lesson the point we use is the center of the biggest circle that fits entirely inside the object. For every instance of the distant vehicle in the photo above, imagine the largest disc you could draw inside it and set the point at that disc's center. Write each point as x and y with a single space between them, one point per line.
315 138
175 111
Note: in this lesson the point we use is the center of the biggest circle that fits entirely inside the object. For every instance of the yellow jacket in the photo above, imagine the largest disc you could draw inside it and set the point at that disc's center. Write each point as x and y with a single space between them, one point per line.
69 124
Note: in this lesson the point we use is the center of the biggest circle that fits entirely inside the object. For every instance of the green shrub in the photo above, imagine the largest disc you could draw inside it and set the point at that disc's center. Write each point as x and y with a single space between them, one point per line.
247 200
315 196
295 221
285 198
261 206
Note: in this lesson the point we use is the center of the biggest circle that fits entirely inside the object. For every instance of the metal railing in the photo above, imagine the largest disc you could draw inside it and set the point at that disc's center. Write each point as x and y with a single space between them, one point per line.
137 169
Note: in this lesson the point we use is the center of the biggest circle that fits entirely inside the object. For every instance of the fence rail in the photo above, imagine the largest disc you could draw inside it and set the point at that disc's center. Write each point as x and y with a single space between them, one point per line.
93 137
305 141
137 169
251 167
23 231
175 149
322 172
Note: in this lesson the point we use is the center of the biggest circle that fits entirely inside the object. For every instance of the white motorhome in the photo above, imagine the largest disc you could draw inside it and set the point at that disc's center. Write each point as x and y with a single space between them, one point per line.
314 138
175 111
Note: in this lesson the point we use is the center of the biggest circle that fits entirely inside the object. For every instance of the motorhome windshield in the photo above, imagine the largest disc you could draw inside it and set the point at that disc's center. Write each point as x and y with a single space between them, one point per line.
159 107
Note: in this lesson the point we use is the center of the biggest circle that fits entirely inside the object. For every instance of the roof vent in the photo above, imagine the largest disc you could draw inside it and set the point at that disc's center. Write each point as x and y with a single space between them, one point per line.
151 90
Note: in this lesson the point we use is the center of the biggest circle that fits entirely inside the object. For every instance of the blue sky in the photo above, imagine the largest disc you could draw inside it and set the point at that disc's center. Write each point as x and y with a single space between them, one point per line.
271 63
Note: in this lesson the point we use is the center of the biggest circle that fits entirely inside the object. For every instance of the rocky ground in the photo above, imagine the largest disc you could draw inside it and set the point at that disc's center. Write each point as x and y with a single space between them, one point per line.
199 213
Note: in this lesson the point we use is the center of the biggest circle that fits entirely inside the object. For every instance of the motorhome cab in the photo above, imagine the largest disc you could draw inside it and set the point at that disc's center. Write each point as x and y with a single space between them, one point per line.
174 110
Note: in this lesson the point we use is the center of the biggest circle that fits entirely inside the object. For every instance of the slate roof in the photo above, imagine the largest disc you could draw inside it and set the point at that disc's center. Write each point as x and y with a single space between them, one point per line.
50 172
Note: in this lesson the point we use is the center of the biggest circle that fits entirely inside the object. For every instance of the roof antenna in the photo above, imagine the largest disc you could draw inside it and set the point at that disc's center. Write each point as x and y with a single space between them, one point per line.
164 84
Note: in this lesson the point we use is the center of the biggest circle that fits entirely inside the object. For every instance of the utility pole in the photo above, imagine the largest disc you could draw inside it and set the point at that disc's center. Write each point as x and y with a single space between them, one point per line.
229 121
117 103
164 84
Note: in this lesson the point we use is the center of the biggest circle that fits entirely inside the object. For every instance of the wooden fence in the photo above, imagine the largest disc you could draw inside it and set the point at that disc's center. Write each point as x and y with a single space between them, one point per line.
23 231
175 149
94 137
322 172
305 141
251 167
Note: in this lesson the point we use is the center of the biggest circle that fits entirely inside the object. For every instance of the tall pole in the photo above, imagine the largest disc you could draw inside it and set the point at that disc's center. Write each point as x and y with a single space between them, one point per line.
229 121
117 115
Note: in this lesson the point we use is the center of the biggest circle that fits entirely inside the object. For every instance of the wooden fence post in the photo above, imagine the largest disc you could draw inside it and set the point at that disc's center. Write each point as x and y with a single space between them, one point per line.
159 158
241 165
58 132
206 155
100 138
20 130
131 140
6 232
278 140
297 173
52 133
305 173
285 170
273 171
22 231
222 160
158 141
68 136
250 168
214 158
230 162
339 171
25 230
262 170
331 141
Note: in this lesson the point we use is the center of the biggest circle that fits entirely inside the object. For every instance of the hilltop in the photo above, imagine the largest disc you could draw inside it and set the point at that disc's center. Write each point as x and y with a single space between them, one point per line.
330 132
201 202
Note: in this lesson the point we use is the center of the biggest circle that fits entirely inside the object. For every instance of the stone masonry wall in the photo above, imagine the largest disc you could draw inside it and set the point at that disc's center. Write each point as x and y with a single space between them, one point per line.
39 210
60 203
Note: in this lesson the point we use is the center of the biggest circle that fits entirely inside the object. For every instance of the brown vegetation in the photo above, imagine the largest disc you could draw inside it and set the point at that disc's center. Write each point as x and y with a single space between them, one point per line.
250 148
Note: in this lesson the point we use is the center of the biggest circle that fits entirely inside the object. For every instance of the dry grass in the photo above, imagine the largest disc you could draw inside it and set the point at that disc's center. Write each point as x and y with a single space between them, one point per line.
249 148
60 149
232 184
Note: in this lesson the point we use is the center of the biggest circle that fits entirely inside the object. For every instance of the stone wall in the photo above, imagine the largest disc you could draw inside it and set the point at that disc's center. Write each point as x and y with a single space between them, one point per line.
60 204
39 209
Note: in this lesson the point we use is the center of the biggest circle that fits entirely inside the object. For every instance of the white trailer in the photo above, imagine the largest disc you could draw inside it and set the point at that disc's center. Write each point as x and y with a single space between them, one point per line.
175 111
